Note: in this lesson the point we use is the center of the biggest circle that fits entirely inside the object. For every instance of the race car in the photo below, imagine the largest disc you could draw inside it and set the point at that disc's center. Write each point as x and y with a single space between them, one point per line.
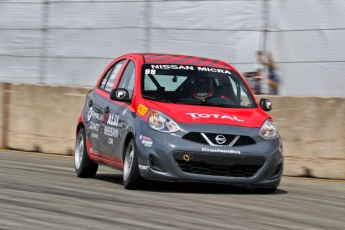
178 118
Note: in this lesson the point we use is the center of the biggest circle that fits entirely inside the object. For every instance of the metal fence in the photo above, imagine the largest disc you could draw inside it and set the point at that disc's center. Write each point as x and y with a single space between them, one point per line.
70 42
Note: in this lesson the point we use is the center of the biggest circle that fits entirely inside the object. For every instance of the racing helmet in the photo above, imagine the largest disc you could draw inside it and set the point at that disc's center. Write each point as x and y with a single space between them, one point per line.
202 87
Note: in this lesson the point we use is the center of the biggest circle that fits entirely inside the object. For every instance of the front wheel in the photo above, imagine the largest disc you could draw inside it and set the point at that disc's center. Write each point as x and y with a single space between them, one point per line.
131 175
84 167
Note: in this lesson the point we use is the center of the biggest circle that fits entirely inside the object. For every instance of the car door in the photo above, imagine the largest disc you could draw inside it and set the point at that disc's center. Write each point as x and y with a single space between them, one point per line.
92 121
95 104
116 124
102 92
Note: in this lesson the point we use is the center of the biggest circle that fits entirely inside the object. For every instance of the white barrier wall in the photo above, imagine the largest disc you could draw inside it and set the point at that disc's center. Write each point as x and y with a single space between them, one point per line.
71 42
43 118
305 37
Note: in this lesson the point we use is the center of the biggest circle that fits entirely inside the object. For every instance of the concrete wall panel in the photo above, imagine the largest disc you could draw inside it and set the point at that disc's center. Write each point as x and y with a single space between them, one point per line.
312 129
43 117
2 133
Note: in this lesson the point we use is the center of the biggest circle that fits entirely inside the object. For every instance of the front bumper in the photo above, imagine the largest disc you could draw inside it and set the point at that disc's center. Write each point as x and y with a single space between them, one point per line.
172 158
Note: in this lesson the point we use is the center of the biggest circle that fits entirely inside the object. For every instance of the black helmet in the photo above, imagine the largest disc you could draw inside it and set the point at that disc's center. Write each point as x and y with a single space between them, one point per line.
202 87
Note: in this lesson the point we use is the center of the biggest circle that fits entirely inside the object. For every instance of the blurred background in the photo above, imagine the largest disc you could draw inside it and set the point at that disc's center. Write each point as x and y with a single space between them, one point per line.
68 42
61 43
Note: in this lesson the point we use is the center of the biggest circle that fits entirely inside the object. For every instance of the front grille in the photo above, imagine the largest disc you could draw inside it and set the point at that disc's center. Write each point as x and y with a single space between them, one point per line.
244 140
197 137
212 138
218 164
217 170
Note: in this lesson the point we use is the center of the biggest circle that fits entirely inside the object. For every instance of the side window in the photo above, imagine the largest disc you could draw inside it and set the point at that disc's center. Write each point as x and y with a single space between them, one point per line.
233 84
127 80
105 78
240 91
109 78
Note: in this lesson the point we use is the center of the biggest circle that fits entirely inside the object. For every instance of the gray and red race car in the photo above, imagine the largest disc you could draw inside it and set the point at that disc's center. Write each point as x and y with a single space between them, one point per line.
178 118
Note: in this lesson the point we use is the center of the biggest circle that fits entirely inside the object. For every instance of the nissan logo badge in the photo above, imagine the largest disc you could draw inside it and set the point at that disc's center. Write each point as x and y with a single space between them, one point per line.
220 139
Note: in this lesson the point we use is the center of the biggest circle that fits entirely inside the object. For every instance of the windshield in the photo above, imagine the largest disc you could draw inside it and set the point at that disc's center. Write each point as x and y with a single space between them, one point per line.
195 85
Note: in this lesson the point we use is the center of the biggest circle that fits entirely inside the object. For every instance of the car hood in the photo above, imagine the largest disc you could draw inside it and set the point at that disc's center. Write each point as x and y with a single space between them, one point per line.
247 117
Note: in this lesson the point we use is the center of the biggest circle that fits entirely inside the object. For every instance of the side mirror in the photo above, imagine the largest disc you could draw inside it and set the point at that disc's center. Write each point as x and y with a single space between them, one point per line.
265 104
119 95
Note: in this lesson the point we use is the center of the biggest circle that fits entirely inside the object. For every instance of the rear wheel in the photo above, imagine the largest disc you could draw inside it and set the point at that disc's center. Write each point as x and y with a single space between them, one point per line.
84 167
131 175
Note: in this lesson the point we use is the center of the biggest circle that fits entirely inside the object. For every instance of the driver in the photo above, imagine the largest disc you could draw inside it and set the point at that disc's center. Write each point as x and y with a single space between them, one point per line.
202 87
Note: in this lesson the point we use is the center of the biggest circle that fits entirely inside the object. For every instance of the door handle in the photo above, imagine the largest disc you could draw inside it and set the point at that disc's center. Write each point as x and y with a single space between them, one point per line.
106 110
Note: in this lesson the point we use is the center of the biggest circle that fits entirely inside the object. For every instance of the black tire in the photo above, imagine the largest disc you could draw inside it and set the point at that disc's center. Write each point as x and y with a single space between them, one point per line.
84 167
131 175
265 190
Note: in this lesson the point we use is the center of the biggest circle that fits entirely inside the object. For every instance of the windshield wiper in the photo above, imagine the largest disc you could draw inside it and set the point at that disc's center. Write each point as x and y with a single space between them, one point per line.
155 98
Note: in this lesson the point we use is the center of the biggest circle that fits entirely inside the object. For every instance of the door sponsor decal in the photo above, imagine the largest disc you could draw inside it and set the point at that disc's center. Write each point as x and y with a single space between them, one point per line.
146 141
111 131
113 120
94 126
142 109
92 114
94 135
110 141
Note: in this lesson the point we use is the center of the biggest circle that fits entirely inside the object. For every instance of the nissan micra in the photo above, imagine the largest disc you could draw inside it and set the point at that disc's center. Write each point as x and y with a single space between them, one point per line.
178 118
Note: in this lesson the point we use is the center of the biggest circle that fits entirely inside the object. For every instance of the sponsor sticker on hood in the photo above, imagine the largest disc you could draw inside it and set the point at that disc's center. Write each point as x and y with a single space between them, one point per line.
218 116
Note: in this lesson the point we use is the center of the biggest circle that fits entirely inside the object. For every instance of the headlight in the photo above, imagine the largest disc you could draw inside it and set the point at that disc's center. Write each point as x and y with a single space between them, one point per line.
268 130
161 122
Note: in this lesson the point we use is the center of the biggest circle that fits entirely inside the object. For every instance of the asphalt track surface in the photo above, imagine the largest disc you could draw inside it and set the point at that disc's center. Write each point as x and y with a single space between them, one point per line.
40 191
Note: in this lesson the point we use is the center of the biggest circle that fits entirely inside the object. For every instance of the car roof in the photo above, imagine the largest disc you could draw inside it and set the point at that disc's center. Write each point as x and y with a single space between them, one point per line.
175 59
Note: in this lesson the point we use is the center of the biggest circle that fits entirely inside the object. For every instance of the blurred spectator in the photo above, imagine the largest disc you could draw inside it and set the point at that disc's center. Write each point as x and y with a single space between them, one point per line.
273 77
264 80
254 81
254 78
